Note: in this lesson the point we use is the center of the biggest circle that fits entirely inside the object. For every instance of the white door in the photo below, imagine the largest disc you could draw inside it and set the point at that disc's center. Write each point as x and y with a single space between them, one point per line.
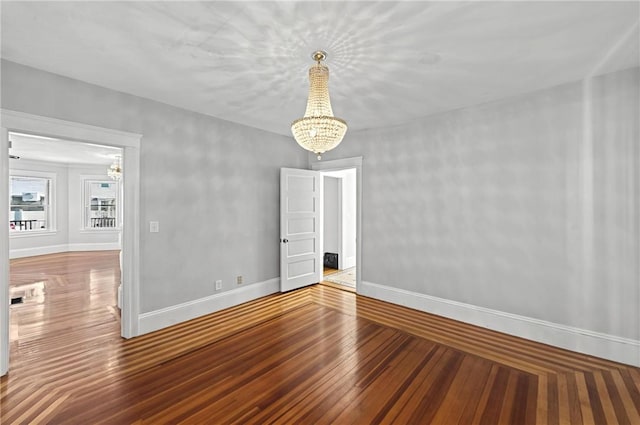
300 227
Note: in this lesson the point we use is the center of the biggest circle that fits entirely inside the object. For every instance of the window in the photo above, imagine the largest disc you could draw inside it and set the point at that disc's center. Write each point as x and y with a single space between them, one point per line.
101 204
30 205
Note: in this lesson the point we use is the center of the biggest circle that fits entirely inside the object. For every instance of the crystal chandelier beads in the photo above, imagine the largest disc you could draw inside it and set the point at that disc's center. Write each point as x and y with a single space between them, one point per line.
319 131
115 170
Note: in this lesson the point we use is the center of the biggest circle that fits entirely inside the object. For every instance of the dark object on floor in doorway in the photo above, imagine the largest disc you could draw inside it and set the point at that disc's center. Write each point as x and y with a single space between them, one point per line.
16 300
331 260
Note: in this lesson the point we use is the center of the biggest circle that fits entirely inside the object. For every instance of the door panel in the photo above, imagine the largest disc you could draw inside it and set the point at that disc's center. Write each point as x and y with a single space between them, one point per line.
301 225
303 204
300 252
301 247
299 269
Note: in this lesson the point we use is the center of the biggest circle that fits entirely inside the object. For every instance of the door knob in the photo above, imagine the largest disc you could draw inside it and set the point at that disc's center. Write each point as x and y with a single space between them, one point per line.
285 240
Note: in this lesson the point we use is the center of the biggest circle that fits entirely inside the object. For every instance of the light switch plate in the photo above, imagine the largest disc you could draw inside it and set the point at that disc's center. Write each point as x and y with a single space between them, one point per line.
154 226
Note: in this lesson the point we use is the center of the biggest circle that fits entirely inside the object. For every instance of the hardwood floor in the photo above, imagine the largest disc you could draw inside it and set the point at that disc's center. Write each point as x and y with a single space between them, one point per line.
317 355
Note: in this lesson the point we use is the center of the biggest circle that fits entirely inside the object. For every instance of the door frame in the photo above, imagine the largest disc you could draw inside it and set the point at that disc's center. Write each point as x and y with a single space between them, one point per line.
340 183
72 131
345 164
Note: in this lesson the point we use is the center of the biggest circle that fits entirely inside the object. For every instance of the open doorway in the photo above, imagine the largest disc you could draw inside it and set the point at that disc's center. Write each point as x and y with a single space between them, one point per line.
344 179
19 122
63 195
65 223
339 228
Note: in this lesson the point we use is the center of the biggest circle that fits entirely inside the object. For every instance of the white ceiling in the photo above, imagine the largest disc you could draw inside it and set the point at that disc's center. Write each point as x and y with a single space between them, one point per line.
390 62
61 151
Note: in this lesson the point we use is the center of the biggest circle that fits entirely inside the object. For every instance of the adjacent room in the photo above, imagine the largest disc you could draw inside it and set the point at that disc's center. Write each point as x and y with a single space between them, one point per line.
198 233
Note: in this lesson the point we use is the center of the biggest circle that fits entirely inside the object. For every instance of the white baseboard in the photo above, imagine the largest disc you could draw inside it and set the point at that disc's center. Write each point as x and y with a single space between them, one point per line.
159 319
40 250
54 249
611 347
104 246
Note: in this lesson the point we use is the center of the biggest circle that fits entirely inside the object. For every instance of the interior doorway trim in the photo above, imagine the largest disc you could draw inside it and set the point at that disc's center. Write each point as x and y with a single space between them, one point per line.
72 131
345 164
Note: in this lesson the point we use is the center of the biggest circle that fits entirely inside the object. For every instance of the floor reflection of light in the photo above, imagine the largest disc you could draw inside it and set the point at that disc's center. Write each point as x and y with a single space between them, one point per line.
94 280
100 281
29 291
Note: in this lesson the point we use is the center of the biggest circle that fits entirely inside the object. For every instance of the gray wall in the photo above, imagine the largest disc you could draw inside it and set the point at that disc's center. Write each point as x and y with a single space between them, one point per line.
213 185
529 205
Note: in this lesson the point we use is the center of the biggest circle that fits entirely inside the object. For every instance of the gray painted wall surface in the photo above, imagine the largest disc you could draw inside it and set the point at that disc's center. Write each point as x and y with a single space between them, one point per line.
528 205
213 185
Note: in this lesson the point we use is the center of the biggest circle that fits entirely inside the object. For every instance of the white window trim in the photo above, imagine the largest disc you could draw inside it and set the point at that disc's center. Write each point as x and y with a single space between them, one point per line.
85 180
52 205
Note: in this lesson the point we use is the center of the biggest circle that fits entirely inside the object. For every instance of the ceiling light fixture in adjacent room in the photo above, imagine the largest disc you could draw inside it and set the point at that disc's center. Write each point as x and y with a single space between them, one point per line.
115 170
319 131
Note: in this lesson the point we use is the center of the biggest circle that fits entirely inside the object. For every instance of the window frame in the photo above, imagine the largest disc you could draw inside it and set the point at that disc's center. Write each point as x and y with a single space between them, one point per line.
51 219
86 203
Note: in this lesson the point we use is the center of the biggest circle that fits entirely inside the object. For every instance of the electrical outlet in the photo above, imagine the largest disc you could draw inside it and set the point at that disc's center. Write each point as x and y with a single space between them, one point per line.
218 285
239 280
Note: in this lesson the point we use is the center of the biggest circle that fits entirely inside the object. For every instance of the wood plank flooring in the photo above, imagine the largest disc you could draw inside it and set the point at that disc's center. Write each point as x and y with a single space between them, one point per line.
316 355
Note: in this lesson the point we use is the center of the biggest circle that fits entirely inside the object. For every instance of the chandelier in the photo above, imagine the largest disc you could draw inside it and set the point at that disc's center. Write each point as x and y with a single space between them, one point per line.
318 131
115 170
